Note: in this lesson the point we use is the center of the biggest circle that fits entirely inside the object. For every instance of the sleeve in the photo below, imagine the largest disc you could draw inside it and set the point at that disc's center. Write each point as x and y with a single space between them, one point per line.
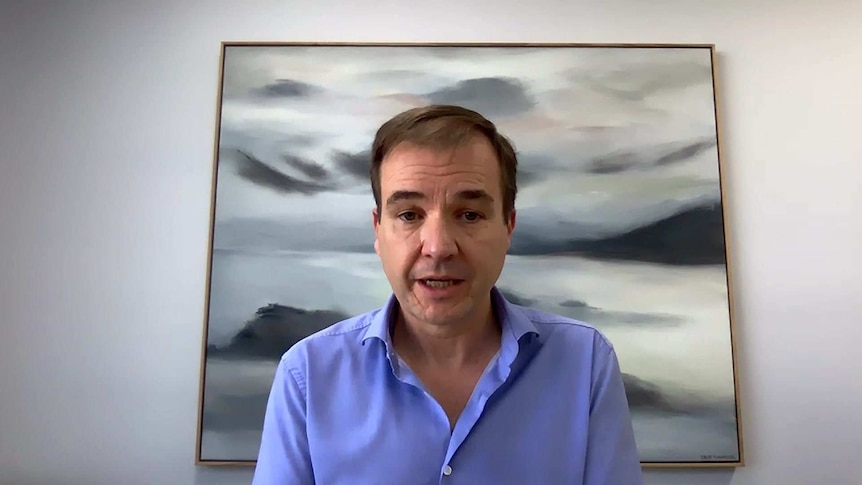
283 457
612 456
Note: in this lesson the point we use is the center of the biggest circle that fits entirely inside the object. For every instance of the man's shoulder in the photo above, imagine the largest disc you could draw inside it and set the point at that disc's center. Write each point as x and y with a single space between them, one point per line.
558 329
332 341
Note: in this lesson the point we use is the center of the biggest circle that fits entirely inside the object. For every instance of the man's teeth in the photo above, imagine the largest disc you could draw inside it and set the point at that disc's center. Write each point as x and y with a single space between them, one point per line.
439 283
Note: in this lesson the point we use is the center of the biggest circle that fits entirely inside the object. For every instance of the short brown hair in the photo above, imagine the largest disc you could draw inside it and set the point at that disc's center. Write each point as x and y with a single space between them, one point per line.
444 126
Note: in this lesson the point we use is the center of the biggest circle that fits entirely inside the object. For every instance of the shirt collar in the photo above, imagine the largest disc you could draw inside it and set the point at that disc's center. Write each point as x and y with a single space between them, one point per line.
379 327
514 323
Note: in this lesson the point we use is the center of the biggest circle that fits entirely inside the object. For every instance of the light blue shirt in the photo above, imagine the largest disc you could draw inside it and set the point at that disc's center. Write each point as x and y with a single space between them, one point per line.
549 409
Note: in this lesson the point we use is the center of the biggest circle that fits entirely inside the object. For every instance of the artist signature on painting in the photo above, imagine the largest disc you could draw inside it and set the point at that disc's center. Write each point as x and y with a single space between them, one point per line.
718 457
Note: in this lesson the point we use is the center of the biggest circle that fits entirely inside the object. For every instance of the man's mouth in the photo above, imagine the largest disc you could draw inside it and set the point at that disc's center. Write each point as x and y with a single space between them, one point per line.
439 283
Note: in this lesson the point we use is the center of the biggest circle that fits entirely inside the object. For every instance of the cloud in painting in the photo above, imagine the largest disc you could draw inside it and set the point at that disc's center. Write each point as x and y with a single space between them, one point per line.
310 233
646 158
635 81
308 168
254 170
685 152
355 164
580 310
529 168
491 96
287 88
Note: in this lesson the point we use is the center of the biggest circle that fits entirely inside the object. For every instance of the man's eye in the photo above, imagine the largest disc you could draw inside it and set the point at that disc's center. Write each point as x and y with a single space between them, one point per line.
408 216
471 216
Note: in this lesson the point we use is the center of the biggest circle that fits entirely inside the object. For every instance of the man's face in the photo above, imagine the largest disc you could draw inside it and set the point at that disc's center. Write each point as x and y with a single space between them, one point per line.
441 233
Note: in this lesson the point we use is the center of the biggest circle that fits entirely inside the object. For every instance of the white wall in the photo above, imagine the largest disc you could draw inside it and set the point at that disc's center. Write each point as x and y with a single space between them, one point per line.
107 125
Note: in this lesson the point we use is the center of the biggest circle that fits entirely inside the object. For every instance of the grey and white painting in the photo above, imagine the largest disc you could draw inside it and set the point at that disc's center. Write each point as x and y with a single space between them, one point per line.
620 220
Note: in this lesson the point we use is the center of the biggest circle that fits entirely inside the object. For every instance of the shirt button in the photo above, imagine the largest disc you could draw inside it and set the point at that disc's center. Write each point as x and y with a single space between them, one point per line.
447 471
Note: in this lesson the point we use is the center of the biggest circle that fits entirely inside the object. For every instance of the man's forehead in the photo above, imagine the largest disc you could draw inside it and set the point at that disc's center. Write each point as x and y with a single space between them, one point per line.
448 186
426 166
448 174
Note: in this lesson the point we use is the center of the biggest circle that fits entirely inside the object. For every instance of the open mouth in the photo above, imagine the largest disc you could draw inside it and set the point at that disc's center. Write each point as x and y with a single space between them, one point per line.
440 283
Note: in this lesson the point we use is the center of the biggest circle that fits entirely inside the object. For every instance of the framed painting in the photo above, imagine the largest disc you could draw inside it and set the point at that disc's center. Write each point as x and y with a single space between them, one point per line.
621 220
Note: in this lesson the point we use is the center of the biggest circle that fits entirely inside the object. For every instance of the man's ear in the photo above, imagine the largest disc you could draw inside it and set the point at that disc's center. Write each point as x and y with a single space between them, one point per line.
375 219
510 224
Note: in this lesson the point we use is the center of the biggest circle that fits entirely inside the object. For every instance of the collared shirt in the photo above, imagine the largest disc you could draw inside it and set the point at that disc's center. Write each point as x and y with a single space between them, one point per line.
549 409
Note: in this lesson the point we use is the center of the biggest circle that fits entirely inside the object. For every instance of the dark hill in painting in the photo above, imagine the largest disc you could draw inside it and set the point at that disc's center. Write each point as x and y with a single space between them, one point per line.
645 396
691 237
274 329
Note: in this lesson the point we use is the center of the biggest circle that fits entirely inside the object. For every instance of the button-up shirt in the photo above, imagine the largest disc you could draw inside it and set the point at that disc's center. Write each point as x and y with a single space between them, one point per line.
549 409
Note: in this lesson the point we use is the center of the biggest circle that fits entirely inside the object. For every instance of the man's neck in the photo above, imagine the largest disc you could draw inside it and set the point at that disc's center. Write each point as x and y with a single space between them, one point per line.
450 347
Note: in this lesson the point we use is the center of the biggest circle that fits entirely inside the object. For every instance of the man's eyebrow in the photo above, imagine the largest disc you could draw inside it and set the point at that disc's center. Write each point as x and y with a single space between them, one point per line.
475 194
400 195
479 194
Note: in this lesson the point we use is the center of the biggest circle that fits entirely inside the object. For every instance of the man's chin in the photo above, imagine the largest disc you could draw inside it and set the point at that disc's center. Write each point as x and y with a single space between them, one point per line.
442 314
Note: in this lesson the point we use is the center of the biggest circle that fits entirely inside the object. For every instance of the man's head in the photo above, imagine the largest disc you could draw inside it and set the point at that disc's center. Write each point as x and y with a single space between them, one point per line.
444 185
444 127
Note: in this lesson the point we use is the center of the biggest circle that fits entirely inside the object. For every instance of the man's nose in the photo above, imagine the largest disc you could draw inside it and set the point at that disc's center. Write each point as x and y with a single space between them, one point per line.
438 238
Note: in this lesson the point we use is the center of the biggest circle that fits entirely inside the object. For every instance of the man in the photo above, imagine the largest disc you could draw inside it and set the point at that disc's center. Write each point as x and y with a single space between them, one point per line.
448 382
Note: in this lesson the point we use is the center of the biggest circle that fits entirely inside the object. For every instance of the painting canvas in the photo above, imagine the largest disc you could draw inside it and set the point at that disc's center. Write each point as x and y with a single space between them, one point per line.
620 216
